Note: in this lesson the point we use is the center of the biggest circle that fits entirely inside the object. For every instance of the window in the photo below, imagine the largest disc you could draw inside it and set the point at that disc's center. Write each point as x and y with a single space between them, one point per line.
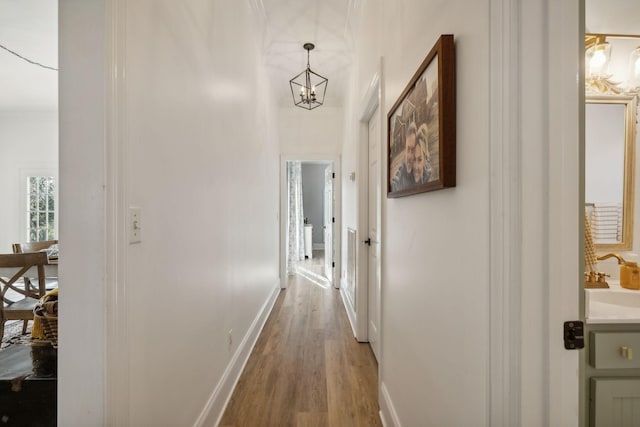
41 204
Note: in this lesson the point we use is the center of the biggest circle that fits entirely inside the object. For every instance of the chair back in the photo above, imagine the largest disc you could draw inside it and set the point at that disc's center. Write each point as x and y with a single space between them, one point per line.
14 266
19 248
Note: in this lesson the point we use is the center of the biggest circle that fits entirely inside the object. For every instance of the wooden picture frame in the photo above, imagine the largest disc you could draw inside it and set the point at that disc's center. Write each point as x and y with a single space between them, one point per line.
421 127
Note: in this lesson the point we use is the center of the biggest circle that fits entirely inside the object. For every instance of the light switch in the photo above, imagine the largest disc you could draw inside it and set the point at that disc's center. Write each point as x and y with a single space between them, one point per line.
134 225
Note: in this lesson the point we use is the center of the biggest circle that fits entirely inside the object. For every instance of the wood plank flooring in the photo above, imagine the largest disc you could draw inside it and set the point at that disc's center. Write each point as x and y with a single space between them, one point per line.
306 369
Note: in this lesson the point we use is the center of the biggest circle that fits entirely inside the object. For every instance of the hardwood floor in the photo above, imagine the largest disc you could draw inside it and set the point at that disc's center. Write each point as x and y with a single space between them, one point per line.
306 369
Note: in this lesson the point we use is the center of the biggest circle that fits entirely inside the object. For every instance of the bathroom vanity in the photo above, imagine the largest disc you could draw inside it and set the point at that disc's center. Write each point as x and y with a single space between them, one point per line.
612 343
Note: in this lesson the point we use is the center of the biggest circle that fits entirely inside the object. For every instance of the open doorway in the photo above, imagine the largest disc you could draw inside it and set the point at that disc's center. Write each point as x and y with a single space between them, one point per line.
309 220
29 149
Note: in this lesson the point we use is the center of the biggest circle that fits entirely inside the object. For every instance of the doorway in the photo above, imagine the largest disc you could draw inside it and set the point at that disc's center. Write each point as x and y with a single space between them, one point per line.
373 238
29 129
361 293
309 238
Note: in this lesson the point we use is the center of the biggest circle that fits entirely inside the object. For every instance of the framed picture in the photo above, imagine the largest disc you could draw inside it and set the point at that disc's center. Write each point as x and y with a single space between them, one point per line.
421 138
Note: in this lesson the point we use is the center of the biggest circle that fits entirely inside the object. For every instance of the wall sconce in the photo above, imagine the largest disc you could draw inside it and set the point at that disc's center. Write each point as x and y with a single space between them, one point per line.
612 64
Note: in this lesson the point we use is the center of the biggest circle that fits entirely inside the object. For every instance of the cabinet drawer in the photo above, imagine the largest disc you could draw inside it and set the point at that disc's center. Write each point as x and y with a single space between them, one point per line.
614 350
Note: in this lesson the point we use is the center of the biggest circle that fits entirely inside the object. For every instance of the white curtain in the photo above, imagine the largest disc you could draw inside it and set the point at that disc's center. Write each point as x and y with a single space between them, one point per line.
295 223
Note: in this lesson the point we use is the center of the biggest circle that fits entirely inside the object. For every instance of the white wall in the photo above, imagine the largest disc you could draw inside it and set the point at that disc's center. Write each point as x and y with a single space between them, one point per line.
435 245
310 133
203 165
28 143
196 150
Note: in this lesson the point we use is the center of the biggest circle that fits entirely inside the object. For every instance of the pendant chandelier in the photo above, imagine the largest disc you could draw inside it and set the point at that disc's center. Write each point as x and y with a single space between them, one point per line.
308 88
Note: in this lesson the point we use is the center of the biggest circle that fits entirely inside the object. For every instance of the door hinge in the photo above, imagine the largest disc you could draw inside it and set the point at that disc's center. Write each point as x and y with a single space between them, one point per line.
333 175
573 335
333 264
333 219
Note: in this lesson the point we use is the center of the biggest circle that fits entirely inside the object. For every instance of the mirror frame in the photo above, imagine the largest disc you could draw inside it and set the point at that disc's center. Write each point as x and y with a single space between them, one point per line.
628 198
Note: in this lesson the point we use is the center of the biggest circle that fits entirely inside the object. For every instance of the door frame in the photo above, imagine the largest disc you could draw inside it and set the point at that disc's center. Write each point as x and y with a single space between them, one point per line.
329 181
534 211
359 317
337 209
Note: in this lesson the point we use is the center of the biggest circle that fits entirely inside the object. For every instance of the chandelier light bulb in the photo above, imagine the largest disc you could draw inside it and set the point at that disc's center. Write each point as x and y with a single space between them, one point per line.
598 59
599 62
635 63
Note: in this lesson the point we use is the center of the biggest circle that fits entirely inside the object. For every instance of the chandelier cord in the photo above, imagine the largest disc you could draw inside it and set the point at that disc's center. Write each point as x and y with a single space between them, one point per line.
27 59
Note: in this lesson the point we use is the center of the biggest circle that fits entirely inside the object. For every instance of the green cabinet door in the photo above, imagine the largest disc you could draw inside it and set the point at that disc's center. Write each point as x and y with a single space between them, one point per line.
615 402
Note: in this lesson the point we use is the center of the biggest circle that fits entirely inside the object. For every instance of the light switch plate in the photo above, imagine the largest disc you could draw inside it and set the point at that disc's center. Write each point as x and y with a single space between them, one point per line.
134 225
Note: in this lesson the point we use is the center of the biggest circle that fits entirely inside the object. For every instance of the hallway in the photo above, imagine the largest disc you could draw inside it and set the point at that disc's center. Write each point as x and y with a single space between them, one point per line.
306 368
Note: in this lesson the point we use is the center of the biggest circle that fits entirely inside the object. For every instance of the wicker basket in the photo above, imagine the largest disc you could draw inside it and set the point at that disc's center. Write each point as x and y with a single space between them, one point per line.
48 315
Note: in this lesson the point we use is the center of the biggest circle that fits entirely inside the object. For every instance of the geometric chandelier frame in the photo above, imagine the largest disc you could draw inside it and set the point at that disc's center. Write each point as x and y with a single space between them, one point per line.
308 88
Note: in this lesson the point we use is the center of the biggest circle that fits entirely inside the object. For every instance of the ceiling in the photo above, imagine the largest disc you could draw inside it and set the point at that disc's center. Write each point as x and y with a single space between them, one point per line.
290 23
29 27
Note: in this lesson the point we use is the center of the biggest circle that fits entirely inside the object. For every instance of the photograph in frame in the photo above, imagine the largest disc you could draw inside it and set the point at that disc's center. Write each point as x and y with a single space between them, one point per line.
421 127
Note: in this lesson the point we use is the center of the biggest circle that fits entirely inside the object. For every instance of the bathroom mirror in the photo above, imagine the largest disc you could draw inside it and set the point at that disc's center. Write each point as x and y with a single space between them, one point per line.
610 133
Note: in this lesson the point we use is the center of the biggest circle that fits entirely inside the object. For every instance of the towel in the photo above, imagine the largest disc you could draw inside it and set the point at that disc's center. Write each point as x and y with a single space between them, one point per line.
37 331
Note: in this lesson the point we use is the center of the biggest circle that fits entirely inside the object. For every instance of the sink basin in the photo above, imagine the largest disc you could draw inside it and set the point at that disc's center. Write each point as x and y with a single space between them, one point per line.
613 305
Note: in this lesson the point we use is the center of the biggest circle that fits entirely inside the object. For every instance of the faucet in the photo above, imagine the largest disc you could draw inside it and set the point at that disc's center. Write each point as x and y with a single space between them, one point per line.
629 271
593 279
621 261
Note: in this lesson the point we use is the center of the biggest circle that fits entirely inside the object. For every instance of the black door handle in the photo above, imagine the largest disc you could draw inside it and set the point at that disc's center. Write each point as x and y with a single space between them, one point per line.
367 242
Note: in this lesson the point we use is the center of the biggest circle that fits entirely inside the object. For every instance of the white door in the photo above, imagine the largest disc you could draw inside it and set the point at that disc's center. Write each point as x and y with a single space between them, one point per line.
328 223
373 268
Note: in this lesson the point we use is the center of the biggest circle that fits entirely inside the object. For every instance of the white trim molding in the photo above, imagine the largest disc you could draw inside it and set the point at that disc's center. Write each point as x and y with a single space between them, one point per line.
213 411
370 102
534 210
388 414
351 314
117 327
505 213
565 207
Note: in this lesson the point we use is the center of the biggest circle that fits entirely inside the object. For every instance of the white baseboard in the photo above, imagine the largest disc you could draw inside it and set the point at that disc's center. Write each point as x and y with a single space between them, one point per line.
317 246
388 414
217 403
348 308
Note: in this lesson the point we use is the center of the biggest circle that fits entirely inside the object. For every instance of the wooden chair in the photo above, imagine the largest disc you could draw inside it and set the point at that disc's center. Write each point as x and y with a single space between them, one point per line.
20 248
12 269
